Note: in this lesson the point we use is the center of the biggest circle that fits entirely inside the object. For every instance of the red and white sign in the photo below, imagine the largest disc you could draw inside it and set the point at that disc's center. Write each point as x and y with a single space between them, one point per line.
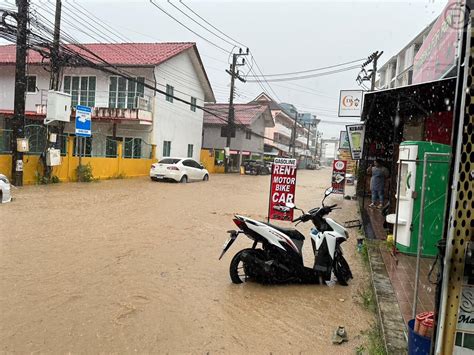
282 189
339 176
437 56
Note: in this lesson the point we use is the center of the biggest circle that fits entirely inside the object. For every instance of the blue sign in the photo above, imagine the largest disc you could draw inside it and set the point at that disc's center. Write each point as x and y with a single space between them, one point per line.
83 121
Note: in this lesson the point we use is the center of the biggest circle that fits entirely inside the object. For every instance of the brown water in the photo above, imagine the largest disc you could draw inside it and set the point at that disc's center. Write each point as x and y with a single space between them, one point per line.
131 266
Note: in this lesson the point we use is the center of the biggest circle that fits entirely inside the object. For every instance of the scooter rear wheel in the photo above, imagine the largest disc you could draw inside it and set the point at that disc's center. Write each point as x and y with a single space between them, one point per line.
238 270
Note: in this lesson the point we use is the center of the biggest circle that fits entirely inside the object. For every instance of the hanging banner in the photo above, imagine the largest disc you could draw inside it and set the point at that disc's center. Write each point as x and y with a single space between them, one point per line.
344 140
350 103
282 189
339 176
355 132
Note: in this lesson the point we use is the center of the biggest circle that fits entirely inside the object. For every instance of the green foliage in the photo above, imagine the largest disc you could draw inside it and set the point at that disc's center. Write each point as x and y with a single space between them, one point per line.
44 180
84 173
375 344
119 176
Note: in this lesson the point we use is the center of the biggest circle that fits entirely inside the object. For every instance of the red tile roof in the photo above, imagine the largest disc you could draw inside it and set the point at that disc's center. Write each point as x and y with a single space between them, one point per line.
244 113
113 53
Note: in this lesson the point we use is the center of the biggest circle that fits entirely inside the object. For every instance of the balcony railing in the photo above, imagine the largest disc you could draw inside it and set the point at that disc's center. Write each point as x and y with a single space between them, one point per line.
283 130
125 106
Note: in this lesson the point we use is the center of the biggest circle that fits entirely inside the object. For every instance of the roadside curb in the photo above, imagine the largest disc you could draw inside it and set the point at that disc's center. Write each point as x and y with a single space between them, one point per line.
390 318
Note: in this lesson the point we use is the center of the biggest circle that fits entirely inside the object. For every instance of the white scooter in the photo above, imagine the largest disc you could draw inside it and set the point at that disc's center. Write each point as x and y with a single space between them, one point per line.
279 259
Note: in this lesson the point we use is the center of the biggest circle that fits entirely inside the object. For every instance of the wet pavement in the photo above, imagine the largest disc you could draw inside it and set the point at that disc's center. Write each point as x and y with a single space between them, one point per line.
131 266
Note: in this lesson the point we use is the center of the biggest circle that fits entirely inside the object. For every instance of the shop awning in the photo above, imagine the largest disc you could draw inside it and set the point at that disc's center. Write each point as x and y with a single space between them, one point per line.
409 101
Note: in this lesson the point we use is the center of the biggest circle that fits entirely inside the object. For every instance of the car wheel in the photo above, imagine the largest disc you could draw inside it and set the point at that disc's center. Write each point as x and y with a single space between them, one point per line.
205 178
184 179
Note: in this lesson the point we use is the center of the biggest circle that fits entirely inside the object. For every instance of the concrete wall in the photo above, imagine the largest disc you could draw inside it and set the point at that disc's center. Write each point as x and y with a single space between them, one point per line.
102 168
174 121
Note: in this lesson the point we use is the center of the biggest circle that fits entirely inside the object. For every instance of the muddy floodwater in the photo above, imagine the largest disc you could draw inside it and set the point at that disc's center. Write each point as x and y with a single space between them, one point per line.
132 266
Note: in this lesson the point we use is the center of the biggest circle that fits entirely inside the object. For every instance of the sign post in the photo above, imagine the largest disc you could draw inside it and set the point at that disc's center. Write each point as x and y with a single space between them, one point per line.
339 176
282 189
83 126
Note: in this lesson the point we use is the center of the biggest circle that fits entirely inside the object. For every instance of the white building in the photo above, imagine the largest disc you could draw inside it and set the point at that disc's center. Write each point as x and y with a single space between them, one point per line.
122 109
398 70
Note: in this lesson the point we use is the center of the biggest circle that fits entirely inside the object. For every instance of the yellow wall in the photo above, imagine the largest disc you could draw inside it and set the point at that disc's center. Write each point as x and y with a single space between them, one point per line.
207 159
102 168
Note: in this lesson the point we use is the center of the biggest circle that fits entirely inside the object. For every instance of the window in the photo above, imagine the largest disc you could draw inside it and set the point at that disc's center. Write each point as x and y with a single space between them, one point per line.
124 93
224 131
193 104
248 134
31 83
84 148
169 161
188 163
166 148
111 147
81 88
132 148
190 150
169 93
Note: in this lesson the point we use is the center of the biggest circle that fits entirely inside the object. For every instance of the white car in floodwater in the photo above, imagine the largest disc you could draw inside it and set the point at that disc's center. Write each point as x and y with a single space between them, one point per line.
5 189
179 170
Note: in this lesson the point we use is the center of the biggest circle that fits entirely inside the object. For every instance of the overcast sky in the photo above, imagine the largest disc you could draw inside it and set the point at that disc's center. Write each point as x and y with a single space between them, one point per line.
283 36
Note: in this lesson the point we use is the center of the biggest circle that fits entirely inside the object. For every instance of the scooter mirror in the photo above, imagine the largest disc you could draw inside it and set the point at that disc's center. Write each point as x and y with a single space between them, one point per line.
290 205
328 191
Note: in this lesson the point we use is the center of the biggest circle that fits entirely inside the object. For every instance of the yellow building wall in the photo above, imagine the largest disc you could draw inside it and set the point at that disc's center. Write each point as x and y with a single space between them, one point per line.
102 168
207 159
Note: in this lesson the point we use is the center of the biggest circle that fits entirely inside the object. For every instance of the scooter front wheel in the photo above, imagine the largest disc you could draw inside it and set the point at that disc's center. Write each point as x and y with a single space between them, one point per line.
342 270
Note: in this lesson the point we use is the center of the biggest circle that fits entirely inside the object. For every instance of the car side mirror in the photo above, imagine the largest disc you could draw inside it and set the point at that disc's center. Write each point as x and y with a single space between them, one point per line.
201 166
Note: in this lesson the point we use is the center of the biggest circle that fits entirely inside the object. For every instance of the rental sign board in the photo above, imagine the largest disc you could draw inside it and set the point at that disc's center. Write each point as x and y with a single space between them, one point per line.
282 189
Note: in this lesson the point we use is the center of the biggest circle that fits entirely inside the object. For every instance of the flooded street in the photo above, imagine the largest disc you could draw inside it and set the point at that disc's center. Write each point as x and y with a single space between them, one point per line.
132 266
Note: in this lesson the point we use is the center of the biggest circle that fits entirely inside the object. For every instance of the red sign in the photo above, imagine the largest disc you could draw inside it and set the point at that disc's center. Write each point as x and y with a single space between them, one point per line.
282 189
437 55
339 176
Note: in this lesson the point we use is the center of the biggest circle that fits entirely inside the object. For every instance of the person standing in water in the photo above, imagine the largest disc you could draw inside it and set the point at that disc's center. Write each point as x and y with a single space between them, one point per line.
377 182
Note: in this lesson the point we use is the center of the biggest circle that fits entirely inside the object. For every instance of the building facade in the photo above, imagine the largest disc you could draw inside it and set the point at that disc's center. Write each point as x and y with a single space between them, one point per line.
125 108
251 120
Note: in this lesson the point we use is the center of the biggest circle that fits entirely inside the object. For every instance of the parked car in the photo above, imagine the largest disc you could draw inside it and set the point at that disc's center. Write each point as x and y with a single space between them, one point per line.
256 167
179 170
5 189
349 179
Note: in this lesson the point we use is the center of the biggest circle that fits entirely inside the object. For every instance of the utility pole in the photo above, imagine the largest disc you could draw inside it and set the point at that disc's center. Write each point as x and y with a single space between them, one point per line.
55 62
376 55
295 127
234 73
54 80
18 122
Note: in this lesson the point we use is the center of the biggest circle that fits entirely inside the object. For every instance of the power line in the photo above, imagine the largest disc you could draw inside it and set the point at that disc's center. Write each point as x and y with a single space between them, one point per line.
312 70
199 24
202 18
189 29
310 76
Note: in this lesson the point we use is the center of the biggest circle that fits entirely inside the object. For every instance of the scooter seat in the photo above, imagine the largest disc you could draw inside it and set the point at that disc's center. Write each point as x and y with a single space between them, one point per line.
291 232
